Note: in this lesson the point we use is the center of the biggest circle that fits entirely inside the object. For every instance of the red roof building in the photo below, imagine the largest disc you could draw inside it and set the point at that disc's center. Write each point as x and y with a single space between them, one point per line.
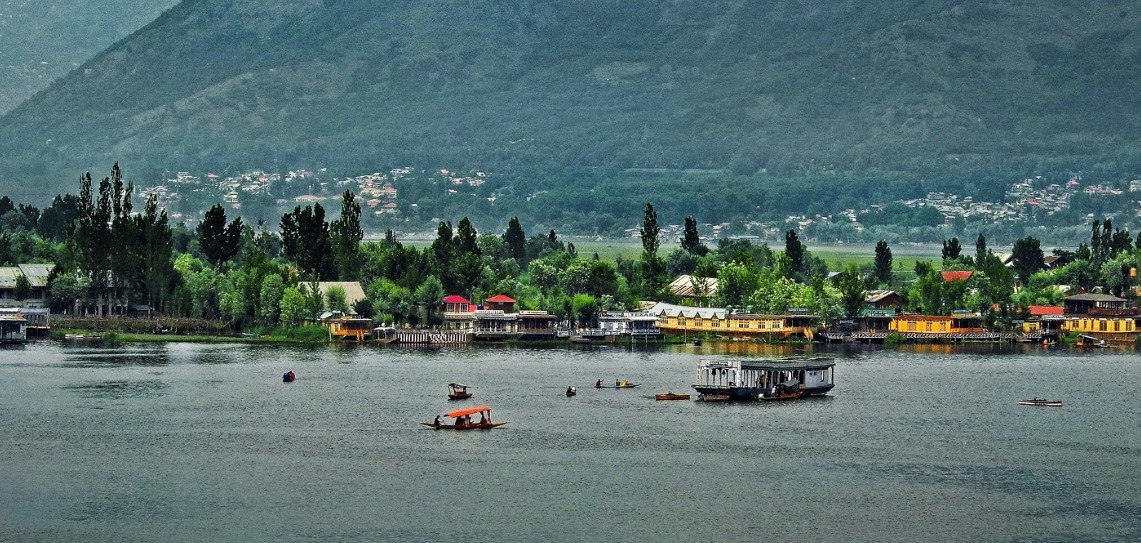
501 302
1045 310
949 276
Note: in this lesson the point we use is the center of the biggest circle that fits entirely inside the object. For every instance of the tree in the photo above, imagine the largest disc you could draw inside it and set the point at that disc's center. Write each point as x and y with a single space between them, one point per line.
292 306
851 291
735 282
883 262
980 249
270 299
467 240
427 297
23 288
649 233
690 240
305 239
1028 258
515 240
795 250
335 299
952 248
346 235
218 241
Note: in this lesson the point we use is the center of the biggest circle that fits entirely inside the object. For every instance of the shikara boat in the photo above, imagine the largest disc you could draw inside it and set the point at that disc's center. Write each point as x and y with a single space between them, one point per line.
288 376
714 397
671 396
571 391
457 391
461 420
617 384
781 395
1041 402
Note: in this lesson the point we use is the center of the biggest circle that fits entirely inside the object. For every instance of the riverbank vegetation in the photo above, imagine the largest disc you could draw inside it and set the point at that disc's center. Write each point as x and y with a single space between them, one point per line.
225 277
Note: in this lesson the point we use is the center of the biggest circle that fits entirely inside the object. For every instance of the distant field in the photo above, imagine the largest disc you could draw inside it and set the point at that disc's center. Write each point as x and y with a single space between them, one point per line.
837 257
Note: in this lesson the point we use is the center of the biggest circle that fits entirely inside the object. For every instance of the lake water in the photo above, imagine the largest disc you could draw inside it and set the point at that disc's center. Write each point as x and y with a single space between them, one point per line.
186 442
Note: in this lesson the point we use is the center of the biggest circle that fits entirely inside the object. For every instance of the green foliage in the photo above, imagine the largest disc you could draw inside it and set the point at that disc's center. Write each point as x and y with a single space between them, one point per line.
218 241
883 263
894 339
335 299
346 235
851 291
1028 257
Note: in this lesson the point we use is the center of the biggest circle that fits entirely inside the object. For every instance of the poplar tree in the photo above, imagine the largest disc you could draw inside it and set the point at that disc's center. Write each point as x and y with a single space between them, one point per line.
218 241
883 262
515 240
346 235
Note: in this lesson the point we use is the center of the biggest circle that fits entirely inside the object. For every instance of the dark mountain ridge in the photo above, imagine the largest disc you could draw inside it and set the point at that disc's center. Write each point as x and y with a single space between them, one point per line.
923 89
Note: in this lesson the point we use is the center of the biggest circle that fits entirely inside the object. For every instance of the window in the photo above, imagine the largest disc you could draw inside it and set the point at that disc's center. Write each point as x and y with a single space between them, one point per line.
910 326
928 326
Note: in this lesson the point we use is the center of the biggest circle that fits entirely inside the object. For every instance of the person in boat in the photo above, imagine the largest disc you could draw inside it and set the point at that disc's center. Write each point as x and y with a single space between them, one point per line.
617 383
436 422
598 383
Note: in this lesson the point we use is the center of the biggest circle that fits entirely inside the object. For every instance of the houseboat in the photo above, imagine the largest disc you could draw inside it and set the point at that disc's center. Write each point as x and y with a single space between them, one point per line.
13 326
755 380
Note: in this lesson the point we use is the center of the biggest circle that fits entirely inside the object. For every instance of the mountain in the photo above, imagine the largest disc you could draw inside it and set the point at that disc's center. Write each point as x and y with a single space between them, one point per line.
43 40
921 89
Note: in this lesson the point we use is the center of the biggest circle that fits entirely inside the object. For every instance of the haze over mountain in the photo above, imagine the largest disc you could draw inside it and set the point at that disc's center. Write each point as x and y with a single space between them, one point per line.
43 40
931 89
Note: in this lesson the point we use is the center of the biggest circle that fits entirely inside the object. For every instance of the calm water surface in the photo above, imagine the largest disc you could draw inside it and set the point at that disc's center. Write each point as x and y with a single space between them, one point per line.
184 442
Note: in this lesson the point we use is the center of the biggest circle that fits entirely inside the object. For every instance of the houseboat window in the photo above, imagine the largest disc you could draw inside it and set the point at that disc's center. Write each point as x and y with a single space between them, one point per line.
928 326
910 326
1103 325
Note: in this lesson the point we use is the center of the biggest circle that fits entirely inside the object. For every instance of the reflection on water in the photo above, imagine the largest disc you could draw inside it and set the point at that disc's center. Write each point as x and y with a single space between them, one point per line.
118 390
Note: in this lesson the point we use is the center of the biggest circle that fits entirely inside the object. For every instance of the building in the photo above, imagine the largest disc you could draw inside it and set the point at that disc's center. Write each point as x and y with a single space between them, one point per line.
459 313
346 327
634 325
883 299
1092 303
496 319
961 324
37 283
674 319
1101 316
537 325
353 290
693 289
13 326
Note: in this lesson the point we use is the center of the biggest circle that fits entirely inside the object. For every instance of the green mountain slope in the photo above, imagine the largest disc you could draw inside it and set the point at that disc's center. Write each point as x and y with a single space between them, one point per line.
41 40
927 88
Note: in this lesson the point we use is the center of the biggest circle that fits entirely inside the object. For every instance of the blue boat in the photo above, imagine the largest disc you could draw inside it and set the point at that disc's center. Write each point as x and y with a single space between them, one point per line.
762 380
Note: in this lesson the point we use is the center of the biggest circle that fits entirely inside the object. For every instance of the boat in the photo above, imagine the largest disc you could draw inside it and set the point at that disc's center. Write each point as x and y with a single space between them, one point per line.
571 391
671 396
765 379
625 383
1041 402
714 397
1090 341
782 395
461 420
288 376
457 391
697 343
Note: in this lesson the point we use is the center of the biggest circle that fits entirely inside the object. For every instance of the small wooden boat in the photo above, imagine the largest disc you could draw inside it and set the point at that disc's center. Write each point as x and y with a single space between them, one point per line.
571 391
617 384
783 395
288 376
457 391
715 397
461 420
671 396
1041 402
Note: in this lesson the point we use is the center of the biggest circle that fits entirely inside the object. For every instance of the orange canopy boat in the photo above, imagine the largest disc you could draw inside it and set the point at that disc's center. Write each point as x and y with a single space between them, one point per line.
462 420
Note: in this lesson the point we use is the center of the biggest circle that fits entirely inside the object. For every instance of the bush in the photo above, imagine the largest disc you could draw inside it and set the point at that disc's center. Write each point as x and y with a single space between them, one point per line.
894 338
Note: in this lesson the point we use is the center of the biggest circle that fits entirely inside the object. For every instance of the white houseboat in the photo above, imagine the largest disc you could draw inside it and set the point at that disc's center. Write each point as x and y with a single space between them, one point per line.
760 380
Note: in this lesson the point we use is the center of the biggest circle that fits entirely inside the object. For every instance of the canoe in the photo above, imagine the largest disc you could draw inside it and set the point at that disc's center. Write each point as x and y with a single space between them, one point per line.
794 395
459 395
631 385
671 396
1041 403
463 428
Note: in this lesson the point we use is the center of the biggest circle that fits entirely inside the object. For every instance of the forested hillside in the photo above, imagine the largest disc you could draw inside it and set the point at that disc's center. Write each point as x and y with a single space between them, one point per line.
41 40
969 92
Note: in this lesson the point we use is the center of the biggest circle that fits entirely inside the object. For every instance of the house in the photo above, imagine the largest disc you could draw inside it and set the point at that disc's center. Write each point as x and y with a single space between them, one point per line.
694 289
635 325
537 325
346 327
950 276
1044 320
959 322
1092 304
876 320
459 313
675 319
13 326
353 290
37 277
496 319
883 299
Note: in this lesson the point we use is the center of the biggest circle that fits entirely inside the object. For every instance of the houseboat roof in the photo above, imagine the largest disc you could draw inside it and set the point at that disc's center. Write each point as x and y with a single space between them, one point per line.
1044 310
456 299
501 299
816 363
961 275
873 296
353 290
684 286
1093 297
